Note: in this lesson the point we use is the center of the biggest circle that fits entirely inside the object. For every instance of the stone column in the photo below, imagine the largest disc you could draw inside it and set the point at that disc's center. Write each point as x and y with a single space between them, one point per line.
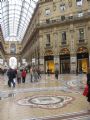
41 64
73 59
73 63
56 62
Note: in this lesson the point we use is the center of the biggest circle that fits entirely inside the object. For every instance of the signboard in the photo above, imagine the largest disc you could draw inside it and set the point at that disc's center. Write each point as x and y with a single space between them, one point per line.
56 59
41 60
23 60
73 59
33 60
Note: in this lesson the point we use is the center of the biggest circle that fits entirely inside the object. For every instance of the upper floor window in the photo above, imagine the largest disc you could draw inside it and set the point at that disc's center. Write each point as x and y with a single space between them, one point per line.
62 7
47 20
64 37
80 14
63 18
70 16
13 48
47 11
79 2
81 34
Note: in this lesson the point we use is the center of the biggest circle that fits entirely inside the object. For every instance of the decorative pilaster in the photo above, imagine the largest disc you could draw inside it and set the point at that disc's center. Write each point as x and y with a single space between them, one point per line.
56 62
41 64
73 59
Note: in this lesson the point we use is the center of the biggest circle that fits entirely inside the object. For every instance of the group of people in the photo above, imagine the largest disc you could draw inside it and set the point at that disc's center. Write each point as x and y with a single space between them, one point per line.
20 76
14 75
35 74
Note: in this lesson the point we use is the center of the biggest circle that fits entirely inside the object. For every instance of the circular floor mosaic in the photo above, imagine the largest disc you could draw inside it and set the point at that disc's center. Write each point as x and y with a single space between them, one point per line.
46 101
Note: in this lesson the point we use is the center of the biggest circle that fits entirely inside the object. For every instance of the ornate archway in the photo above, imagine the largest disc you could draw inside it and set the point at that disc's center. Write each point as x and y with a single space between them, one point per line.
13 62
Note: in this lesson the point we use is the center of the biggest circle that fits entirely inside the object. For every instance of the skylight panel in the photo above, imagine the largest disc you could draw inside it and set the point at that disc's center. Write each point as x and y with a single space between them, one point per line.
15 16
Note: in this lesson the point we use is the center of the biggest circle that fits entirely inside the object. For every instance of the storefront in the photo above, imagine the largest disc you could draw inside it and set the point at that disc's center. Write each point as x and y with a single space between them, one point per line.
49 63
82 60
64 61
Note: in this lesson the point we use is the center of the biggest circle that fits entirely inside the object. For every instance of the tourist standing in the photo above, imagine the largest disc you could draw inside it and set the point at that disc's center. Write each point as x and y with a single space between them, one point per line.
19 76
31 74
39 73
23 74
56 73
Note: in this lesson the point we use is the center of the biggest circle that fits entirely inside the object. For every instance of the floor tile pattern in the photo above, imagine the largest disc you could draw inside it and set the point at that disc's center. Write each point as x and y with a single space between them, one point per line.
47 99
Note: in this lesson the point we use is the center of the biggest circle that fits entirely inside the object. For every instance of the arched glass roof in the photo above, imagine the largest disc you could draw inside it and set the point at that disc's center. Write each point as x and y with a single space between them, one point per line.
15 16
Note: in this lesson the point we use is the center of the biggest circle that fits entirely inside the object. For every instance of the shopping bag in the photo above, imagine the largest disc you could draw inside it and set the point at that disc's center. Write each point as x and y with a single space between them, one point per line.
85 92
14 80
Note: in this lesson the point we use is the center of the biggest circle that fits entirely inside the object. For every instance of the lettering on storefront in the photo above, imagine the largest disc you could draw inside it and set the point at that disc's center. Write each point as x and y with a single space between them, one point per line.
56 59
41 60
73 60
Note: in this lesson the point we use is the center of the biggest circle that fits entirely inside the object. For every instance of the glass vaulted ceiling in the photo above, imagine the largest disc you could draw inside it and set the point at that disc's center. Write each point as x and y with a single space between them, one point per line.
15 16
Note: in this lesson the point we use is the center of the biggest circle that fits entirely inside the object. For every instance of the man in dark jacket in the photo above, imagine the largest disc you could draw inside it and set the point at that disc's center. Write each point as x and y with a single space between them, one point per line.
56 73
11 75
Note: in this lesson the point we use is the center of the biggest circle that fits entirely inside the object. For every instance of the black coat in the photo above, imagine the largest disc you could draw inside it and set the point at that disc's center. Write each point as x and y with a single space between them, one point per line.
11 74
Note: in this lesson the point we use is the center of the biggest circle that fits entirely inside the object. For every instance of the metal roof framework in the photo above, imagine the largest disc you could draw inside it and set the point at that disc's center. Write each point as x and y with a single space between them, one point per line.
15 16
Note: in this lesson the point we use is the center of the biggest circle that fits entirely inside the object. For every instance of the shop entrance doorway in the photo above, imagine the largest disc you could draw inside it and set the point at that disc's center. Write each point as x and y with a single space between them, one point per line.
82 60
49 64
64 64
64 61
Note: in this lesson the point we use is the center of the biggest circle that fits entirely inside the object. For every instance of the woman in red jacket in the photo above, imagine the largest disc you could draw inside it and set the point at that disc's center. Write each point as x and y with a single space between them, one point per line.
23 76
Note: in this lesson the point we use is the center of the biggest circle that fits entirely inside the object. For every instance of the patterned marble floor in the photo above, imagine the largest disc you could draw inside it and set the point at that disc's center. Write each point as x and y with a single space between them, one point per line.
47 99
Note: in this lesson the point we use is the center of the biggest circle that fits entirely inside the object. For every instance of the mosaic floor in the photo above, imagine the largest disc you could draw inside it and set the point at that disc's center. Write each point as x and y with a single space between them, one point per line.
47 99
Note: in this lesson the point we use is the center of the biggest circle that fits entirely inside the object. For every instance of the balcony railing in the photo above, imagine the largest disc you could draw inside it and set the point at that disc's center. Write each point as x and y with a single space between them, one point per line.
86 14
81 40
48 45
63 43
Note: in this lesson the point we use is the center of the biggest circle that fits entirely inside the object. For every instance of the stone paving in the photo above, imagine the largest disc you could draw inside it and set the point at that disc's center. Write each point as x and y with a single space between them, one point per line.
47 99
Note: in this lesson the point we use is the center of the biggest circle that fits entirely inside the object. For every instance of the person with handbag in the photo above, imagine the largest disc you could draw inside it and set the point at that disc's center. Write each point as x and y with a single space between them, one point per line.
88 83
11 75
23 74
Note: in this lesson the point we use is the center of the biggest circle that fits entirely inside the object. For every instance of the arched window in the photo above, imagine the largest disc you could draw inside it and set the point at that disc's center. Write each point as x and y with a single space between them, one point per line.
13 62
13 48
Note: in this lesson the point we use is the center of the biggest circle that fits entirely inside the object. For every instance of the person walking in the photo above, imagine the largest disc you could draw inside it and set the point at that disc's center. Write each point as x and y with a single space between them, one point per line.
31 74
39 73
11 75
35 75
23 74
56 73
19 76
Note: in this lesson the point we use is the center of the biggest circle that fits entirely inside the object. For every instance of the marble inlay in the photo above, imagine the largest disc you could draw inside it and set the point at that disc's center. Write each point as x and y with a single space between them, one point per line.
46 101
